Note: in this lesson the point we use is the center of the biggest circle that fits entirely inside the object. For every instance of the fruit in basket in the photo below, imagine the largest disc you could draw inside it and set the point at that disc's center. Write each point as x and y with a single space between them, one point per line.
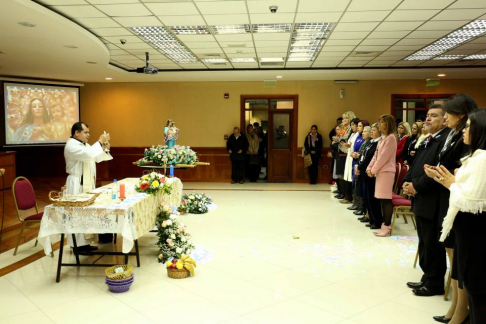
188 263
179 265
173 266
168 264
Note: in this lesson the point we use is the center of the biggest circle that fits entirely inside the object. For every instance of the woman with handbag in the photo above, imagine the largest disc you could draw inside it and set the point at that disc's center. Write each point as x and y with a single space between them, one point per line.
313 146
253 161
467 214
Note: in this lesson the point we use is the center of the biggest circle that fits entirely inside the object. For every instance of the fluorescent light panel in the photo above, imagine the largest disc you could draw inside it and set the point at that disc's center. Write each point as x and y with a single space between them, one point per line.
243 60
451 40
476 57
271 28
272 59
302 36
214 60
148 30
189 30
313 27
448 57
230 29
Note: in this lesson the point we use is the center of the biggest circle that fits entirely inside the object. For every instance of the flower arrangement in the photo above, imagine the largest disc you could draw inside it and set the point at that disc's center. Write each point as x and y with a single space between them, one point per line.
174 239
153 182
195 203
163 155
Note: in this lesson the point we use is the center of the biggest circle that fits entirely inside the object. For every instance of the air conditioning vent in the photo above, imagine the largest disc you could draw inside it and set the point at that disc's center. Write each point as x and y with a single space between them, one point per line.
218 63
212 55
271 63
237 45
365 54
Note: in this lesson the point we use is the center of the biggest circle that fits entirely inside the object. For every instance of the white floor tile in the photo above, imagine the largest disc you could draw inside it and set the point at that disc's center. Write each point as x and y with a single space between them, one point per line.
27 318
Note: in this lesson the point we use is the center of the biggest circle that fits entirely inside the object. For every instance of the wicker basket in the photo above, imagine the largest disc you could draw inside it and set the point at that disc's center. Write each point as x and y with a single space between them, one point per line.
126 274
54 198
177 274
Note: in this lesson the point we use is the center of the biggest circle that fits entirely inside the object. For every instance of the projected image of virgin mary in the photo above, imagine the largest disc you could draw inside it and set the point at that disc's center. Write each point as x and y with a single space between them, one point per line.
31 127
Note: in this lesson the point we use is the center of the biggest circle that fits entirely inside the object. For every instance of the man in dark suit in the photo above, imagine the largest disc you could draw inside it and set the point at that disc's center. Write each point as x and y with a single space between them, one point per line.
425 193
237 145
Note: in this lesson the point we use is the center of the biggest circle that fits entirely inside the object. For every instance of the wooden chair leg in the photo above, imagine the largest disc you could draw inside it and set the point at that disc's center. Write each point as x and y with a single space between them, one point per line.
405 218
413 221
36 241
448 285
18 238
394 216
416 258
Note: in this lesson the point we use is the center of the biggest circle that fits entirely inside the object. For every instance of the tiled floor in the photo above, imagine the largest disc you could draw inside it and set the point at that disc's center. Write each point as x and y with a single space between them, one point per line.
276 257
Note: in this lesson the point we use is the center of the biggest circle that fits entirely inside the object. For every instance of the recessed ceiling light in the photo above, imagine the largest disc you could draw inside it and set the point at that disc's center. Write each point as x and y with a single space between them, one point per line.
279 76
27 24
90 62
189 30
300 59
108 78
148 30
230 29
313 27
448 57
272 59
441 75
70 46
476 57
243 60
214 60
271 28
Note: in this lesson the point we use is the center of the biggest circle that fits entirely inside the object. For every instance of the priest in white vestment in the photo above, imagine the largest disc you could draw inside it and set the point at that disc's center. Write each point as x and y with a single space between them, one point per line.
80 165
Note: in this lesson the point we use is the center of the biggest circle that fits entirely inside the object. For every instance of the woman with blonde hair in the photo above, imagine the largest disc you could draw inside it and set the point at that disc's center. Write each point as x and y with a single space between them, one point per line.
344 146
382 166
404 132
408 153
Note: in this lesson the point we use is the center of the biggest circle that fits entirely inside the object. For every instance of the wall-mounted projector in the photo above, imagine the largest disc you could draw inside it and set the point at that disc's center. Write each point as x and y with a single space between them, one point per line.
147 69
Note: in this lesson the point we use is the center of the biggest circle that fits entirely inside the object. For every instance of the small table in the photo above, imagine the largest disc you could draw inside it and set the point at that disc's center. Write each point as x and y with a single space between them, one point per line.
132 218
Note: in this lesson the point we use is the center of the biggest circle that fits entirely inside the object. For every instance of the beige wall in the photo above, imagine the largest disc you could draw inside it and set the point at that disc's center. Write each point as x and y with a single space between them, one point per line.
135 113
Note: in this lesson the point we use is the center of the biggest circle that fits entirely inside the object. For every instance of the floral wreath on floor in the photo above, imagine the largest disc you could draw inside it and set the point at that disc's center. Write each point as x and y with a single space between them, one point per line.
163 155
174 239
152 182
195 203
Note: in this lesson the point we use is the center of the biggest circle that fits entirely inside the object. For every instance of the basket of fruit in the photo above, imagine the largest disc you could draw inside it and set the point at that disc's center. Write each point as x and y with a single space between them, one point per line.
182 268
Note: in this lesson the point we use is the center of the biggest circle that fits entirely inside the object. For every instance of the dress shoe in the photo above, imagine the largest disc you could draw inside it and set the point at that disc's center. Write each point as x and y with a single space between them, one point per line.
368 225
242 182
359 212
415 285
353 207
365 220
384 231
442 319
335 192
233 182
373 226
345 201
339 196
362 218
425 292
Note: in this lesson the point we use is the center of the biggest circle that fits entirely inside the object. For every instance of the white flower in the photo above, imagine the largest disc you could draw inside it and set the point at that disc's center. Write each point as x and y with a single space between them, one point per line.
189 242
188 251
173 216
169 222
183 239
179 250
191 197
172 236
166 208
200 209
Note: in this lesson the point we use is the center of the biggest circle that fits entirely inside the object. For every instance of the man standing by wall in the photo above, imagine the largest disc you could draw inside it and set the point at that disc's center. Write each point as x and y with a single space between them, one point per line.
80 165
425 192
237 145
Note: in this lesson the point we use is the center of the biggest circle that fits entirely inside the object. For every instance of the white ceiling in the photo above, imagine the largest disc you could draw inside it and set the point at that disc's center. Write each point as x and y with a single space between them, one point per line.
393 29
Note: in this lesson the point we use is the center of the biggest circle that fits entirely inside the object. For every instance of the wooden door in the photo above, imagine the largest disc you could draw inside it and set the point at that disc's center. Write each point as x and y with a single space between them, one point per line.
280 152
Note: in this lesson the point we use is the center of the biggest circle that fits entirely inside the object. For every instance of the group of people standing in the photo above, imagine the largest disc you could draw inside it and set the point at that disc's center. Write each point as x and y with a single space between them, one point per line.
445 182
247 153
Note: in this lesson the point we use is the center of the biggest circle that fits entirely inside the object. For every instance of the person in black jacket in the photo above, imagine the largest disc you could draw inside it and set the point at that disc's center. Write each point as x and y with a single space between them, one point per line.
313 146
457 110
368 184
237 145
408 153
425 193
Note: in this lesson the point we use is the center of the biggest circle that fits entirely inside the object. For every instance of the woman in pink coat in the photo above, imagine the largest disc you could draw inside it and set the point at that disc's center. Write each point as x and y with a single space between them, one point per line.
383 167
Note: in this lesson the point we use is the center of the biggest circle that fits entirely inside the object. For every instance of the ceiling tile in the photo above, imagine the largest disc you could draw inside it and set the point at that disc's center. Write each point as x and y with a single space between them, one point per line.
134 46
333 54
79 11
475 46
240 37
269 36
365 5
272 18
95 2
378 64
245 65
428 34
397 53
298 64
380 60
348 35
62 2
460 14
129 39
272 54
239 50
416 41
388 34
370 48
421 4
226 19
405 48
196 38
374 41
318 17
219 67
193 66
115 52
364 16
325 64
322 6
436 62
193 45
353 64
469 4
445 25
233 55
154 54
281 49
287 6
192 20
202 51
112 46
111 31
356 27
173 9
359 59
222 7
233 44
97 22
138 21
393 26
480 40
333 42
327 48
259 44
127 57
125 10
411 15
407 63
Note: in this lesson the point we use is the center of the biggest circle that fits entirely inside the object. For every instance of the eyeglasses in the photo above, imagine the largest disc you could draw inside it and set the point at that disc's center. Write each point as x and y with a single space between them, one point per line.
467 126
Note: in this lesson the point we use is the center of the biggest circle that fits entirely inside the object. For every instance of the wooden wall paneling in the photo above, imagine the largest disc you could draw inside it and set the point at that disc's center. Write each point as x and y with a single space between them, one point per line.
7 162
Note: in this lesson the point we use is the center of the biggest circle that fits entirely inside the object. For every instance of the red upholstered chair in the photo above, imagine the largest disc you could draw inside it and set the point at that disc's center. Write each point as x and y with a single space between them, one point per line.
24 199
398 169
401 205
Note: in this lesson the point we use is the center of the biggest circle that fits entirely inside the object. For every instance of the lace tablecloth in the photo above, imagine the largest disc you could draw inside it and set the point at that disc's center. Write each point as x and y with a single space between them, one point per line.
132 218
